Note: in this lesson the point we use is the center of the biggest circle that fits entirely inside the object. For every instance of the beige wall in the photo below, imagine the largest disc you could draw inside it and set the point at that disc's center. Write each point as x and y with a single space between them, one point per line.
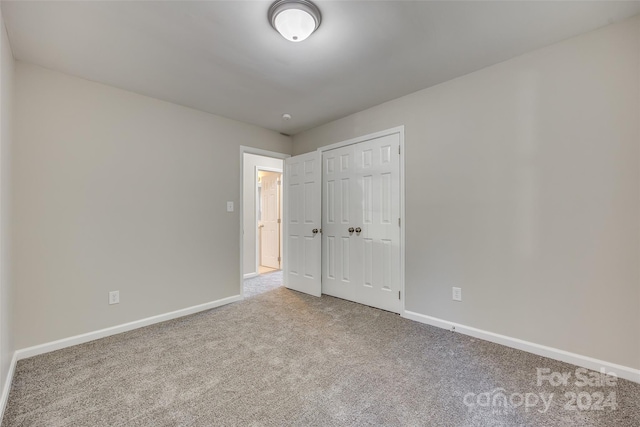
249 206
6 109
117 191
522 188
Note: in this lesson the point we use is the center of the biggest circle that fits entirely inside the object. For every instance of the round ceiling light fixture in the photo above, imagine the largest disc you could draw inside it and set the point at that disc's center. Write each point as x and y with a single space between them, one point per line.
295 20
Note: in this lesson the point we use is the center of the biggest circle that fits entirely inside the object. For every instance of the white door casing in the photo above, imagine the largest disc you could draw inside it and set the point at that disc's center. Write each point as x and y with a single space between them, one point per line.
269 227
361 191
302 206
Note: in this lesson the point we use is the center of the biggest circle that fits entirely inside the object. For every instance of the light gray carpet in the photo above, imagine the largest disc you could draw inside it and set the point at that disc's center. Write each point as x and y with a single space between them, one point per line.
262 283
286 359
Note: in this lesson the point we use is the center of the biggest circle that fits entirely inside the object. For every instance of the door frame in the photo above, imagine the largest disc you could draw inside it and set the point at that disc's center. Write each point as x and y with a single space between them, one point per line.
255 179
260 152
395 130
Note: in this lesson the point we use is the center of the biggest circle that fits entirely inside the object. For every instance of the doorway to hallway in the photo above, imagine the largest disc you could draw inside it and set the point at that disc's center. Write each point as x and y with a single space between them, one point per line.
268 215
262 174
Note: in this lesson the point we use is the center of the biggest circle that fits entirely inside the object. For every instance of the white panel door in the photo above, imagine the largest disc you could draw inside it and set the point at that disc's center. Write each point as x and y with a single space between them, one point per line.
302 198
378 174
361 232
270 224
339 246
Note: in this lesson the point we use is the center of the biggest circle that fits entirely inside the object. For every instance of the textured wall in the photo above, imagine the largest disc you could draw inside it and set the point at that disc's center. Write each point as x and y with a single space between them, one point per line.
6 142
522 188
117 191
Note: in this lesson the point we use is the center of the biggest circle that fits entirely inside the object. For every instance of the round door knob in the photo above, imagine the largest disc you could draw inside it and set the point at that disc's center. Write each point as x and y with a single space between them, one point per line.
314 231
358 230
351 230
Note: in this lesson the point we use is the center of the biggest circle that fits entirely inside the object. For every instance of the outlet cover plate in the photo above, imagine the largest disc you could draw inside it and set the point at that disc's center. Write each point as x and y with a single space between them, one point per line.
457 294
114 297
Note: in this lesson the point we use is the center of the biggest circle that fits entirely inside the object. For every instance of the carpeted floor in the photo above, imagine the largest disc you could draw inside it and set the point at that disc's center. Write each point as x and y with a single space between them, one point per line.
262 283
286 359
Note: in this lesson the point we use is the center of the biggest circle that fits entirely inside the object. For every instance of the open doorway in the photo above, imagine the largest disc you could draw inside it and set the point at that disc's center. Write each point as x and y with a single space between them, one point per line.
268 215
262 246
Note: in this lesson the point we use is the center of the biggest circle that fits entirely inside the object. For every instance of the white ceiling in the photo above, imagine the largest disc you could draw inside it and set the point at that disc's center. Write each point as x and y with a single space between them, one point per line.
223 57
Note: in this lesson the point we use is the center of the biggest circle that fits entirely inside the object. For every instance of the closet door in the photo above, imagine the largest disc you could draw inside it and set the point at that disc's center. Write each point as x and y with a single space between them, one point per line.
378 181
342 252
361 232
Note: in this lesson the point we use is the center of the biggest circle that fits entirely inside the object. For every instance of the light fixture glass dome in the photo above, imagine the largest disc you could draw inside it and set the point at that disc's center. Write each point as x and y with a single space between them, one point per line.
295 20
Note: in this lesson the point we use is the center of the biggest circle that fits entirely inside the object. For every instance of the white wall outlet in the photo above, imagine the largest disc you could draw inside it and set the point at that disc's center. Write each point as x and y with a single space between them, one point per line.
457 294
114 297
229 206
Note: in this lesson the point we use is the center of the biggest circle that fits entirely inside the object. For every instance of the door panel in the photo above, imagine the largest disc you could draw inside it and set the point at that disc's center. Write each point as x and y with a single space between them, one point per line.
364 192
379 177
338 245
302 199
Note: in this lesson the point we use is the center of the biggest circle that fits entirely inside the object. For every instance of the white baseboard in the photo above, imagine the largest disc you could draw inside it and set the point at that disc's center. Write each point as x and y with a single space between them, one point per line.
7 385
90 336
250 275
625 372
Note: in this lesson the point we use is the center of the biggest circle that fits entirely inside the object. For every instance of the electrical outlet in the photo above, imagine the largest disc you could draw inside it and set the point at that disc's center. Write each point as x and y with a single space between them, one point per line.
229 206
114 297
457 294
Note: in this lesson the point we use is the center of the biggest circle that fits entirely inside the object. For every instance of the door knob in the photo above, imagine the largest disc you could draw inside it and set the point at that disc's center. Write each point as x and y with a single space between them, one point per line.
351 230
314 231
358 230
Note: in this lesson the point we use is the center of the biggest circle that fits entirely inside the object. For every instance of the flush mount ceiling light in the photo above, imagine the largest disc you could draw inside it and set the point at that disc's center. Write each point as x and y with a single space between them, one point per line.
295 20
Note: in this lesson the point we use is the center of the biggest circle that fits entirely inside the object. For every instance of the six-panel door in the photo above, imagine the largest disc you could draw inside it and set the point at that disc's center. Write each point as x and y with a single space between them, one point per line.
302 223
361 230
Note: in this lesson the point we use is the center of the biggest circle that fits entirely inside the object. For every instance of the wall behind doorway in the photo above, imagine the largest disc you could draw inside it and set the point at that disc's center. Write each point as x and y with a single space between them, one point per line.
251 161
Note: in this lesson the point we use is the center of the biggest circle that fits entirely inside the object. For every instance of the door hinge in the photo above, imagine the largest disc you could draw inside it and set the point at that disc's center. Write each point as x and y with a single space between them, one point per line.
398 222
279 259
398 294
398 149
279 220
279 182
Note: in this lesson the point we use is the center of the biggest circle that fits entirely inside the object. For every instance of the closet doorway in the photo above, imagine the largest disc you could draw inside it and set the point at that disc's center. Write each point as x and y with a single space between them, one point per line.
344 226
361 222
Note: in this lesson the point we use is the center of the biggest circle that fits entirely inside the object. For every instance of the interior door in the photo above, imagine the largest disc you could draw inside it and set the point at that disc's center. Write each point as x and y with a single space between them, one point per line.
270 224
302 199
361 230
341 248
378 172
